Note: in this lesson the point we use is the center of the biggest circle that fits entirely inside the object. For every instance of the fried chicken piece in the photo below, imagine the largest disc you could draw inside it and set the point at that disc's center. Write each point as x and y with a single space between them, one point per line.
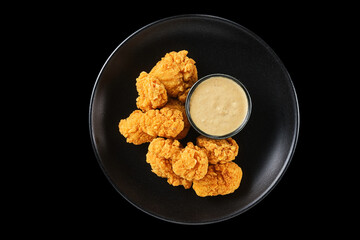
221 179
142 127
160 156
131 129
176 104
162 168
167 148
219 150
177 72
152 93
165 122
192 164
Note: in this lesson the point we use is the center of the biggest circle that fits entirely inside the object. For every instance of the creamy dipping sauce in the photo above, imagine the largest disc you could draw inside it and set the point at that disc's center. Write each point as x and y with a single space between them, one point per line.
218 106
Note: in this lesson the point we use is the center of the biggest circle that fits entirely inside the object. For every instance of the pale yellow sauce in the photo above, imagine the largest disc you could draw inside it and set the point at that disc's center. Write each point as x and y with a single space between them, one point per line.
218 106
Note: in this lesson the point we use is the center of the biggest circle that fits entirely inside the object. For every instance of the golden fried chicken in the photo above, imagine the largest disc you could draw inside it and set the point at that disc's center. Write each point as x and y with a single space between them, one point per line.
177 72
167 148
221 179
165 122
160 156
152 93
142 127
176 104
162 168
131 129
192 164
219 150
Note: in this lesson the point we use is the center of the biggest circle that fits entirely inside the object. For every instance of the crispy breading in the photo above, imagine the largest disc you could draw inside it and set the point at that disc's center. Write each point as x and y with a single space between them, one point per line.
152 93
192 164
160 156
142 127
176 104
167 148
131 129
165 122
182 97
221 179
177 72
219 150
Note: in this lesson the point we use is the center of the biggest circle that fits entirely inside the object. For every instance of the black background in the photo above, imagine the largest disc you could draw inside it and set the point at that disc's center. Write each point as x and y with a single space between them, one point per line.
77 196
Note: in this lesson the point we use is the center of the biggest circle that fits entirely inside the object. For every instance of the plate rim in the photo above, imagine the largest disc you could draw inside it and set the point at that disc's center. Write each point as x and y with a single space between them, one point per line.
293 143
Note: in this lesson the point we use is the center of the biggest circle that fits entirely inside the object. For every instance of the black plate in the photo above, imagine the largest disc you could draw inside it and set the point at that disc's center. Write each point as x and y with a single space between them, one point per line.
267 143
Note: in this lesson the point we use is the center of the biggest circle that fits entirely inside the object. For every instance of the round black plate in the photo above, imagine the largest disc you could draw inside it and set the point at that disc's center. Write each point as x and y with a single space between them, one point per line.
267 143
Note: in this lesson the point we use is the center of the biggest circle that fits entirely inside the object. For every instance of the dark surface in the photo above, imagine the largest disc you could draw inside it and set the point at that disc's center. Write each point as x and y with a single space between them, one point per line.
217 45
53 183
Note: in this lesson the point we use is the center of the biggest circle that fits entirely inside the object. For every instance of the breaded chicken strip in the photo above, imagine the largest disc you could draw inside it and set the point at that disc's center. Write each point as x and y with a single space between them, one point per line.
165 122
131 129
152 93
162 168
219 150
167 148
221 179
177 72
192 164
142 127
160 156
176 104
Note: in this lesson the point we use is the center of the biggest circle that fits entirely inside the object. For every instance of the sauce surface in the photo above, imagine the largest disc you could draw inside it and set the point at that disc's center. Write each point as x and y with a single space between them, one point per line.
218 106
